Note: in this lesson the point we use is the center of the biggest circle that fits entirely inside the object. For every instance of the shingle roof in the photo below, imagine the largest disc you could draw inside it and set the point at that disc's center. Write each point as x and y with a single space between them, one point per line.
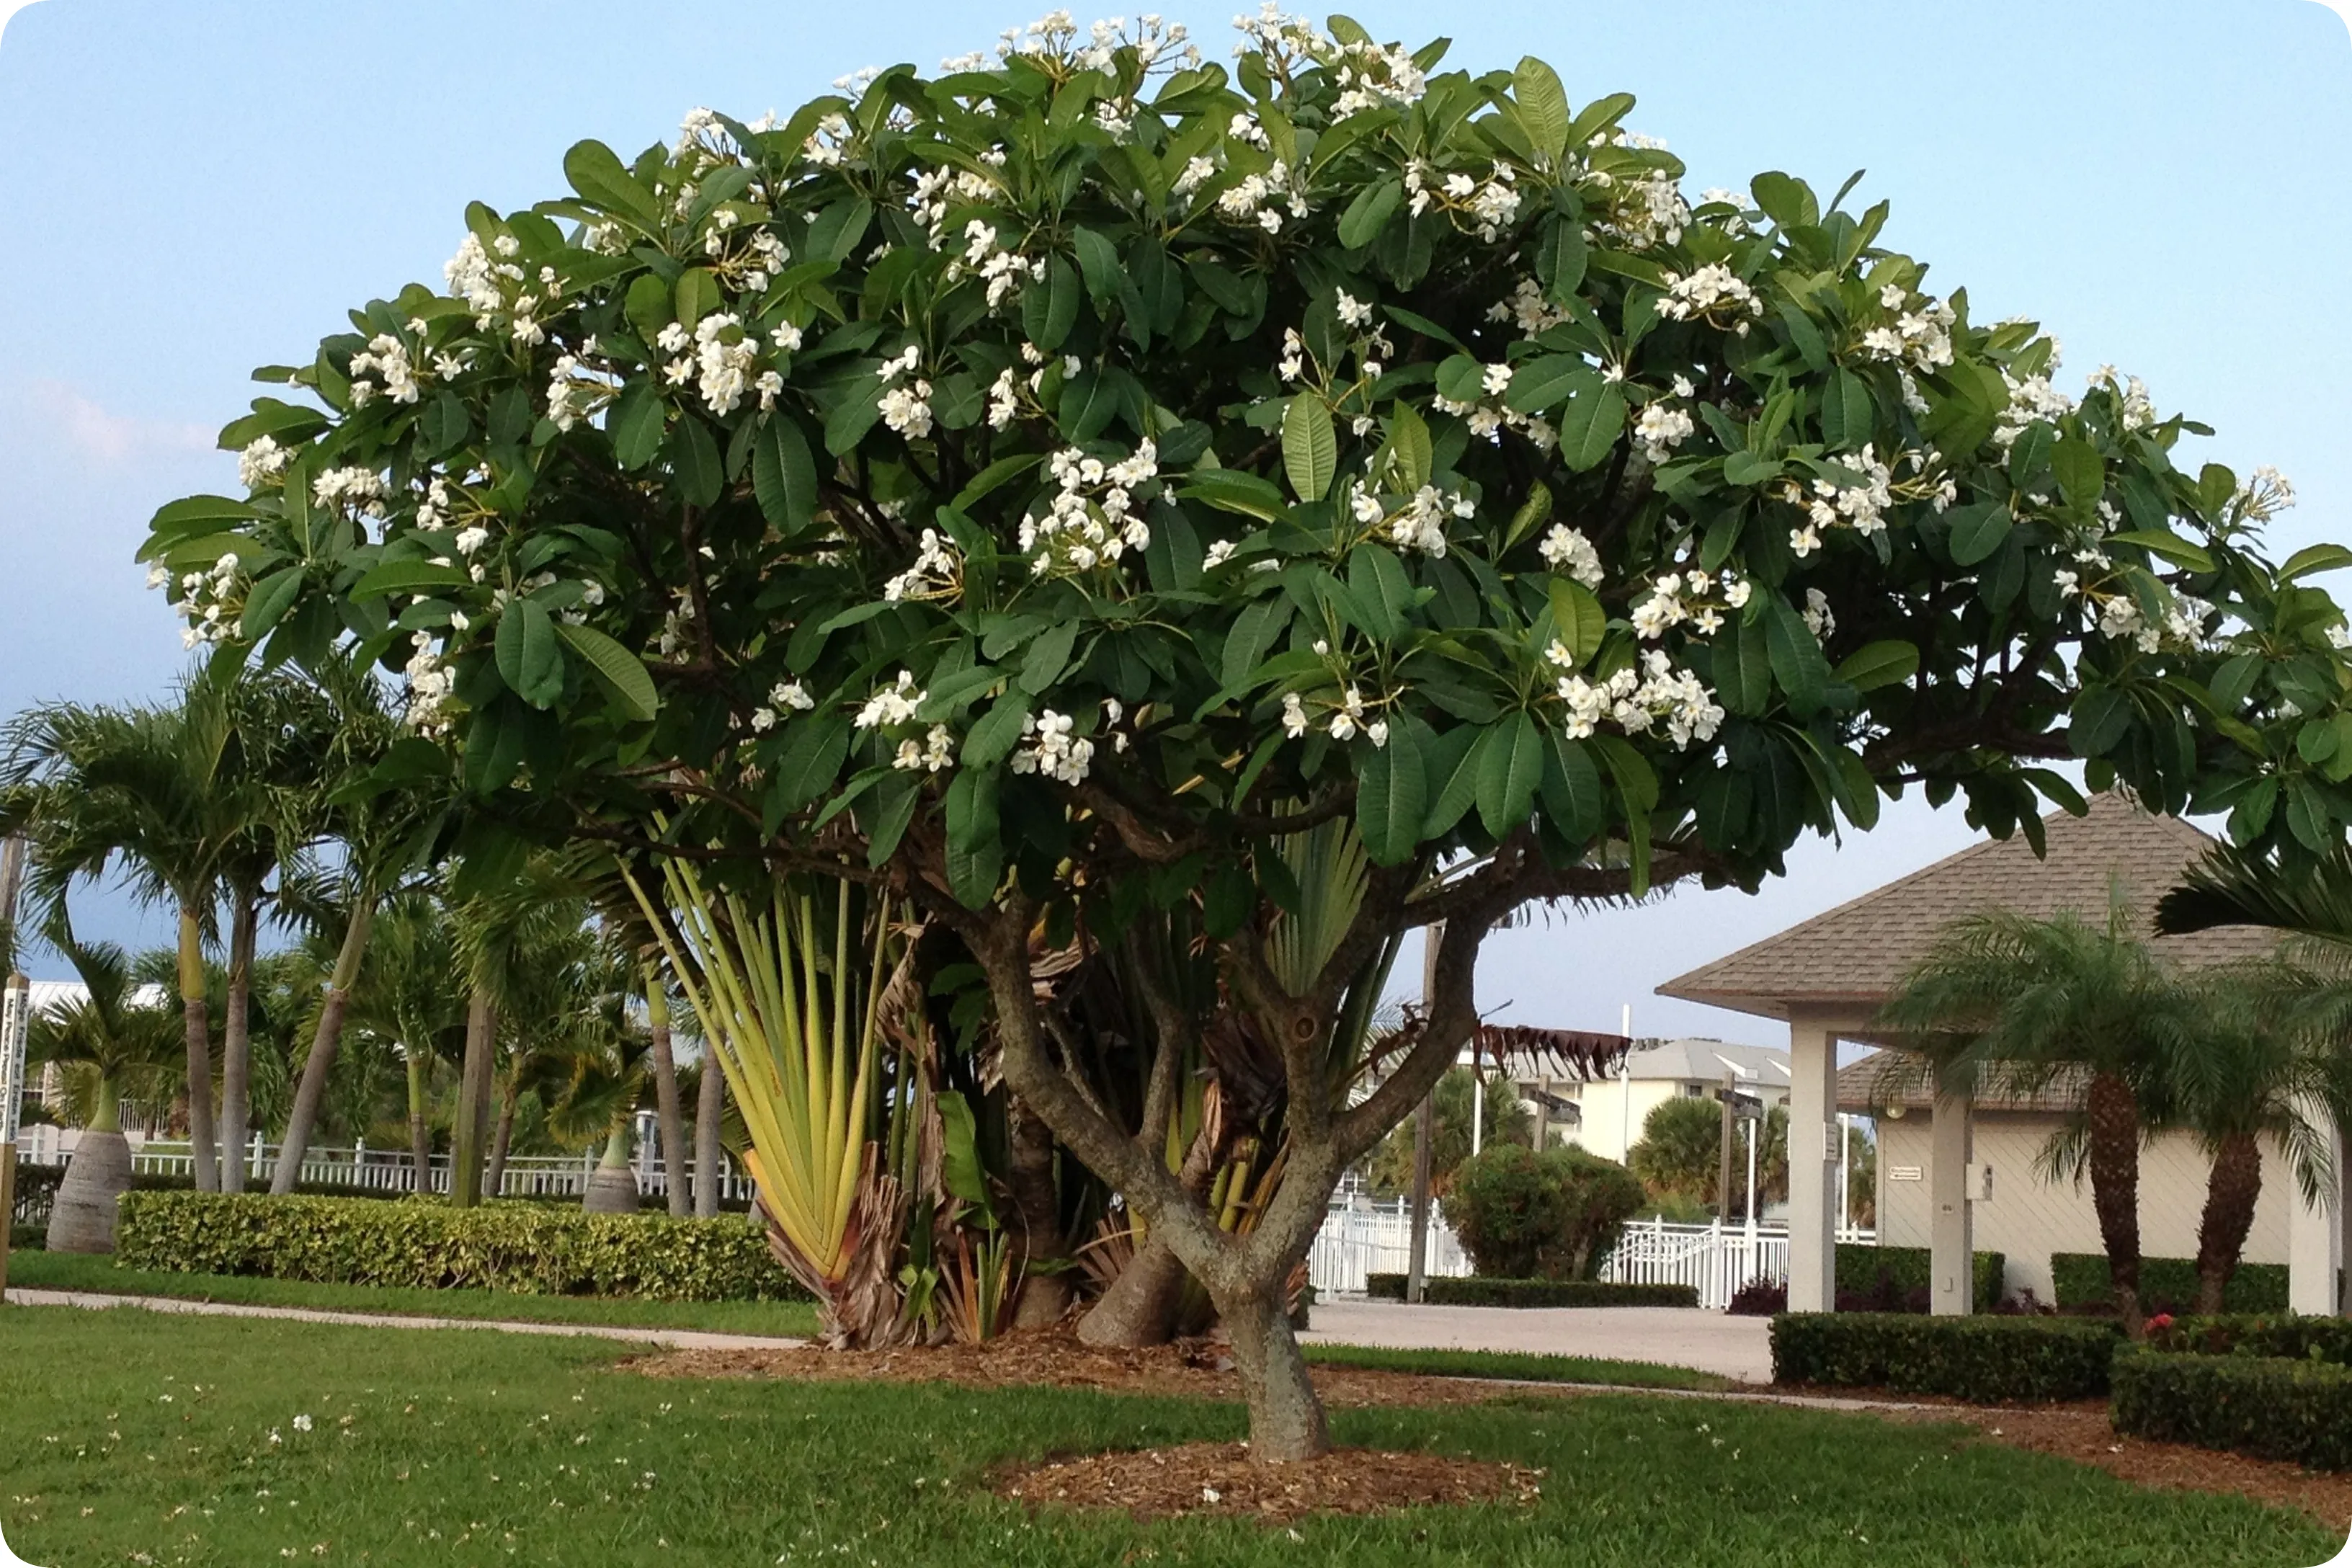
1870 1084
1853 956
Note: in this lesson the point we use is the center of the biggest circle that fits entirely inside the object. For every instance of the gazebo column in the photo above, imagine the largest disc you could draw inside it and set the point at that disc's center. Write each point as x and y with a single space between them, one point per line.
1813 1165
2315 1240
1951 1246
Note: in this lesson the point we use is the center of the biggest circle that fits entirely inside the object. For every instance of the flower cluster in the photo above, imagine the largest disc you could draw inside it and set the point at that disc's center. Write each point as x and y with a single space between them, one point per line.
1565 549
358 487
431 688
1090 522
1637 699
1258 196
262 463
2030 398
1664 427
1001 269
937 573
906 409
1677 596
786 698
1484 207
1920 335
2263 497
1643 213
210 601
2134 409
1488 416
2188 622
1417 521
1527 310
1861 507
1053 37
386 358
1048 747
891 705
1344 717
1715 294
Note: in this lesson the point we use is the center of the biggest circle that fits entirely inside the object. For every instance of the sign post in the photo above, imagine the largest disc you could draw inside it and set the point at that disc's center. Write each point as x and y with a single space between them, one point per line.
15 1020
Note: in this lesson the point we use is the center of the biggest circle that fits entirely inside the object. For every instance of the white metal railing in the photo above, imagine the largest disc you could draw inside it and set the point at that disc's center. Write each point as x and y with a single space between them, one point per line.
390 1170
1714 1259
1367 1237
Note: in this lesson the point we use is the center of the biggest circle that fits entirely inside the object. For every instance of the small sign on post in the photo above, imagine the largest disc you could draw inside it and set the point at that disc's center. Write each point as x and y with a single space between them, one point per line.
15 1022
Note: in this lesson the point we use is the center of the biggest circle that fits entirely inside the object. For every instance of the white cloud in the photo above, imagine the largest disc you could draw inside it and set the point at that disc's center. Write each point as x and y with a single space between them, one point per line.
112 437
2342 8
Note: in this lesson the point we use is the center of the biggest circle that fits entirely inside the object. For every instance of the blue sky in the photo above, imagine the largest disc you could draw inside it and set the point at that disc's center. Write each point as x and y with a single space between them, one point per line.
188 191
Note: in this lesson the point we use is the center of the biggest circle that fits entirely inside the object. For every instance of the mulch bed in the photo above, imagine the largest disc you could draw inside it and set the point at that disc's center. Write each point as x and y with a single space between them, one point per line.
1219 1480
1155 1483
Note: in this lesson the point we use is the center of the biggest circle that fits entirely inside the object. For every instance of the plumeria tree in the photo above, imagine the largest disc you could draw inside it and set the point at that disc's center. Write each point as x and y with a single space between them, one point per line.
1044 490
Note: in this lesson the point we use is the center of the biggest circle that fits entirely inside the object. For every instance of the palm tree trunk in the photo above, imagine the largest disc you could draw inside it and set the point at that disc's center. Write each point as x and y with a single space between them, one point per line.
236 1044
613 1186
2231 1193
324 1043
670 1115
204 1150
473 1100
510 1092
420 1127
82 1215
2114 1115
709 1107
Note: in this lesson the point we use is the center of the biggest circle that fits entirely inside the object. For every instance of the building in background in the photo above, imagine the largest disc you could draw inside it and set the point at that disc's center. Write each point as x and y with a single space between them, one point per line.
1605 1115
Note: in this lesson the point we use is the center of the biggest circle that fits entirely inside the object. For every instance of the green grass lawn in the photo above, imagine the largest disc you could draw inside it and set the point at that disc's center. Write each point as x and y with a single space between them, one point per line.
72 1271
1524 1366
136 1438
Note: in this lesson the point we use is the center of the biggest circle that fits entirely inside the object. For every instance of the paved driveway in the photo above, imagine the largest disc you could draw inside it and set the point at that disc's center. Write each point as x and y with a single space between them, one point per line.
1679 1336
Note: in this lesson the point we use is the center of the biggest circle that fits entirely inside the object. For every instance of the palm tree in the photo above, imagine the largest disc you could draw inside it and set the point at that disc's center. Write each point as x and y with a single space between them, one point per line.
2247 1074
2036 1004
410 995
610 1057
109 1047
498 931
169 791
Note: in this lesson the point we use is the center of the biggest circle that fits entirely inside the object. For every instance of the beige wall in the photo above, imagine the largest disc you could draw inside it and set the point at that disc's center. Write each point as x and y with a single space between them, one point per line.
2030 1217
1603 1104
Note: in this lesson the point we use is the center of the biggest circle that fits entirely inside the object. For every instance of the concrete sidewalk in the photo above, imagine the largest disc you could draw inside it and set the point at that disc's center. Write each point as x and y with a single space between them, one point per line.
1677 1336
669 1338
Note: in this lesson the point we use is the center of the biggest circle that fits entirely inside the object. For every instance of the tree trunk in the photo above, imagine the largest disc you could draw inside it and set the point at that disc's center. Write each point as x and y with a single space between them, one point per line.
1037 1219
710 1109
204 1150
83 1215
1285 1419
2114 1116
237 1042
613 1186
311 1093
420 1125
473 1098
510 1092
668 1115
1140 1307
2231 1193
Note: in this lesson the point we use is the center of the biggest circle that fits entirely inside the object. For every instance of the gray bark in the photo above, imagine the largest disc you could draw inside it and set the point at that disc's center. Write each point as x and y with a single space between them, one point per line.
326 1041
1287 1419
495 1182
613 1186
668 1114
710 1106
82 1218
236 1044
465 1137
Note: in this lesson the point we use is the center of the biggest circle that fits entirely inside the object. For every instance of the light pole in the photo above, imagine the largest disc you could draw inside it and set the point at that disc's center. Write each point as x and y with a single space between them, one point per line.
16 1019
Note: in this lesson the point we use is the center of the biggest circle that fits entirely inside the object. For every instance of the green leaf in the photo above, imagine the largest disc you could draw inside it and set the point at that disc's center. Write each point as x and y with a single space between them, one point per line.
1847 412
992 739
1231 489
1546 381
961 1171
1979 530
1590 425
1381 590
1360 223
2168 546
1743 667
784 474
1390 795
1510 766
975 854
812 759
1749 468
530 658
2314 558
598 173
268 601
1578 620
1048 656
1798 662
1310 447
1543 106
442 425
1254 632
2082 474
389 578
1786 200
647 306
1572 789
1879 664
1099 260
696 295
621 673
694 462
1533 513
636 425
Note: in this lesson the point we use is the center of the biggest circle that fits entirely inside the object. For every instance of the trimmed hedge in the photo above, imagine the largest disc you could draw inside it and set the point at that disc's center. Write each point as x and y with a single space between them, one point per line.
424 1244
2269 1407
1981 1360
35 1191
2079 1279
1479 1291
1902 1279
2290 1336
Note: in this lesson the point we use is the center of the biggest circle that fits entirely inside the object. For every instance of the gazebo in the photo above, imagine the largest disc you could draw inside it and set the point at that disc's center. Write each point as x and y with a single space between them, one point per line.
1827 978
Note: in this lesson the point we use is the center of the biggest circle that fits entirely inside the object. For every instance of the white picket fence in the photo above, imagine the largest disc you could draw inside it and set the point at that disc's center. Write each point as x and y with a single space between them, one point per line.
1367 1237
394 1170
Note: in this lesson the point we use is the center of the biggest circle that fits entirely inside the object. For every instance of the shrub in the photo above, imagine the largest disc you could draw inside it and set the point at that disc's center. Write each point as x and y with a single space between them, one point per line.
1553 1215
36 1190
2079 1281
1759 1298
1482 1291
28 1237
2289 1336
1901 1279
424 1244
2269 1407
1982 1360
